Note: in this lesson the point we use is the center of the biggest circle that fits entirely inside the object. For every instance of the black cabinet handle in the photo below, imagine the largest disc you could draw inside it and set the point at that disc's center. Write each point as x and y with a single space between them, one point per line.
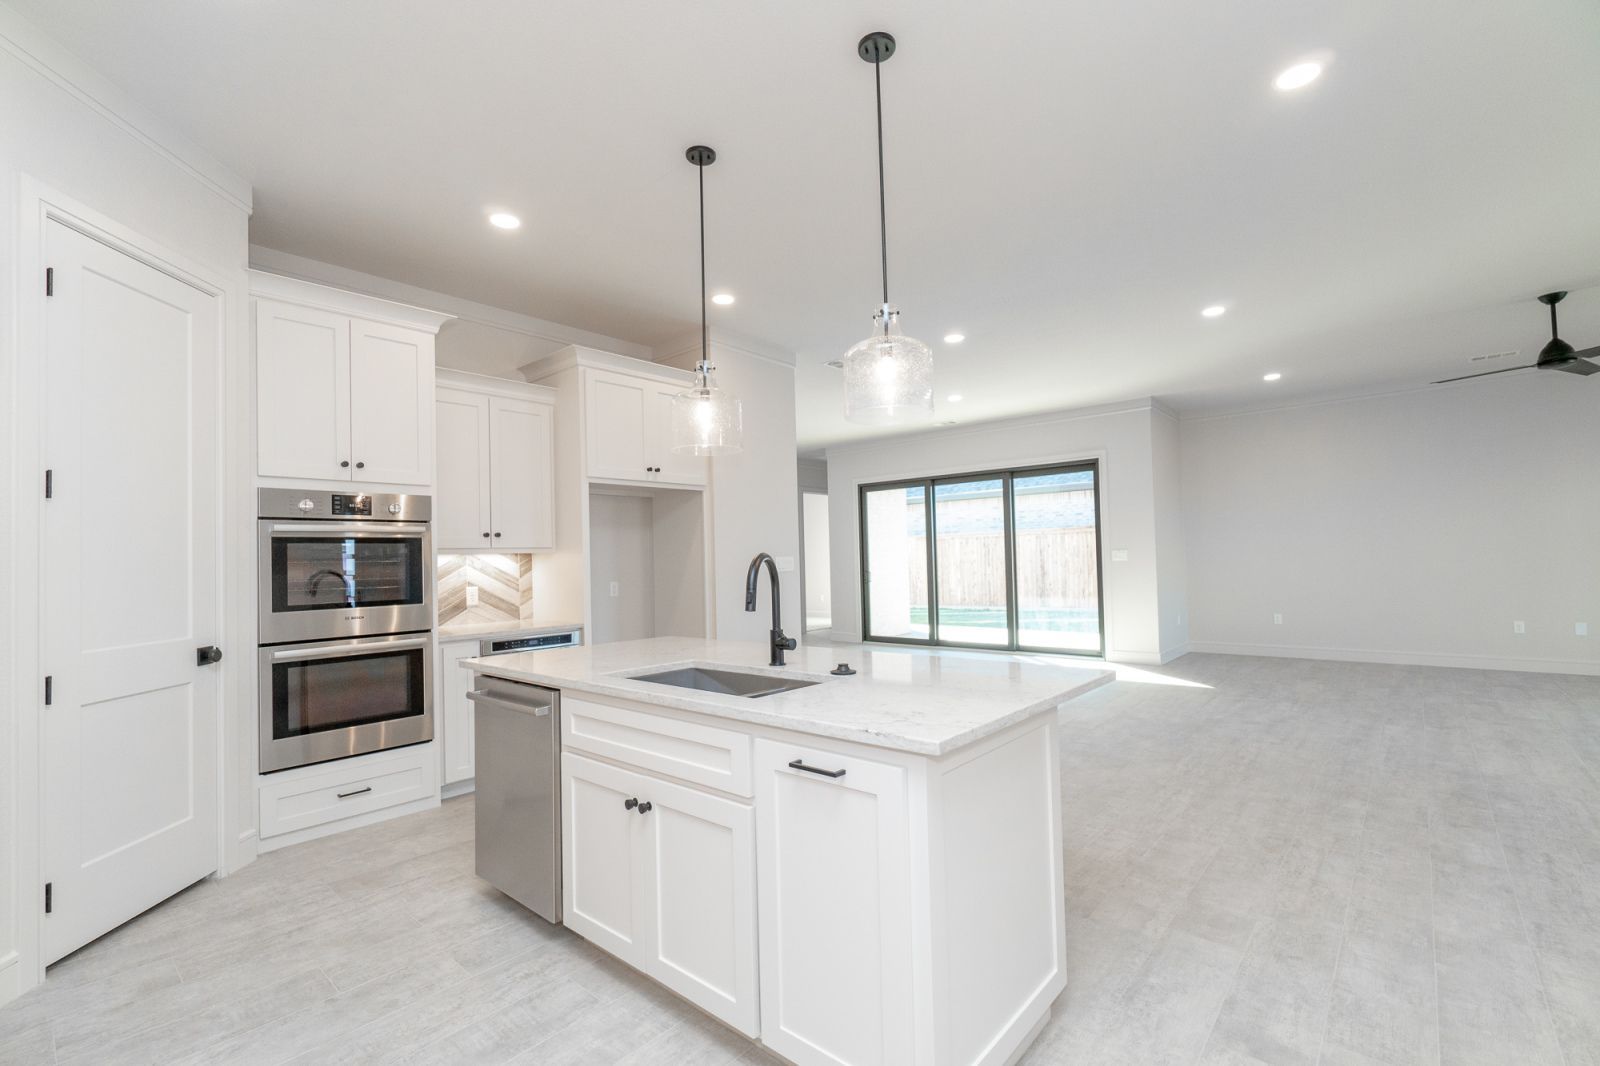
344 462
630 804
357 792
360 465
798 765
208 655
497 534
644 808
486 535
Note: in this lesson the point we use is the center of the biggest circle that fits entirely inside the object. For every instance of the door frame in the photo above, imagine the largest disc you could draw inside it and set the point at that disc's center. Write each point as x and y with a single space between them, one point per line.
38 206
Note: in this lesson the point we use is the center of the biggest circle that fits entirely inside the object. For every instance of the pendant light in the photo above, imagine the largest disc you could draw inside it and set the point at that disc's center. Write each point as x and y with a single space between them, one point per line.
888 377
706 420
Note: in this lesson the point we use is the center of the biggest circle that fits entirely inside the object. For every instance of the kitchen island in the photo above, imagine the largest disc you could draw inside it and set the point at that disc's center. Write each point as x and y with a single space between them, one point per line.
851 869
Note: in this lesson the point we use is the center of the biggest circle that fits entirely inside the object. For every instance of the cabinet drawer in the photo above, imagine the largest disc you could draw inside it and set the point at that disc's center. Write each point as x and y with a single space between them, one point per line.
688 751
345 789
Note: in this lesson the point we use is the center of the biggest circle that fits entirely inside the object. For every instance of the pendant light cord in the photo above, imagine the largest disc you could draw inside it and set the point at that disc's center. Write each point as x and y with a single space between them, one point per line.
883 209
705 336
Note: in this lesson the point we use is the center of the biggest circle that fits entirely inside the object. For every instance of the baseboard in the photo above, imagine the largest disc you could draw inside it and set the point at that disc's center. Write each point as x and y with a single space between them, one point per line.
10 977
300 836
1174 653
1400 658
1134 658
458 788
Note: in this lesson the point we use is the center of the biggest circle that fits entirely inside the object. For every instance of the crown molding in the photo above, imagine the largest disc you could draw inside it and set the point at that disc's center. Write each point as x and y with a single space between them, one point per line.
970 429
40 53
493 386
328 298
314 270
575 355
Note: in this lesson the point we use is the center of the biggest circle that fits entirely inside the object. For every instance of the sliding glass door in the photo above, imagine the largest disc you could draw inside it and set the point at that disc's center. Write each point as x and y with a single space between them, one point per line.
1008 560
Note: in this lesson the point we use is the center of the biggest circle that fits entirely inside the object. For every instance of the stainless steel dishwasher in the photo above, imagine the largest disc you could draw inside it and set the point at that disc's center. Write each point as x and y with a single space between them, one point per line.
517 733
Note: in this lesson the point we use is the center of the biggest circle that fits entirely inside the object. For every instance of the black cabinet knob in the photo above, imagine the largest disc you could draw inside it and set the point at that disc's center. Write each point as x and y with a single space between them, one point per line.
644 808
486 536
497 534
344 462
630 804
360 465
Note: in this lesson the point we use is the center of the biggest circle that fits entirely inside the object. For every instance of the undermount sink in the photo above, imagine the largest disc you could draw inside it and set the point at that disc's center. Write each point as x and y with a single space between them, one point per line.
727 682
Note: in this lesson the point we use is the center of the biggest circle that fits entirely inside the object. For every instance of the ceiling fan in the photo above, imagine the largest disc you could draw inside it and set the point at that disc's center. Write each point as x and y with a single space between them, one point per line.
1557 355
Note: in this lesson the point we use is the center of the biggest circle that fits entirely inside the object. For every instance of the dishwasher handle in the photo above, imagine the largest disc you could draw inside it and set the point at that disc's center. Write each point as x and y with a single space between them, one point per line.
539 710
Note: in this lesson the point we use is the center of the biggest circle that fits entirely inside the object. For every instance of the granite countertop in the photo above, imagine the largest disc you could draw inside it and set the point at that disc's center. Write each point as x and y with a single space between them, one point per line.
925 701
485 630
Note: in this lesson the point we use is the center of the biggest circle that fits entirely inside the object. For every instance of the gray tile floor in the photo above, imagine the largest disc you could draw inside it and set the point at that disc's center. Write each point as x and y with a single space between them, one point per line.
1269 861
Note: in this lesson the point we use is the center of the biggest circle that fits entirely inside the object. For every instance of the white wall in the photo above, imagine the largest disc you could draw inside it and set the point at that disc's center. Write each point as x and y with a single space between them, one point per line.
621 551
1413 527
755 493
76 136
1172 581
1120 437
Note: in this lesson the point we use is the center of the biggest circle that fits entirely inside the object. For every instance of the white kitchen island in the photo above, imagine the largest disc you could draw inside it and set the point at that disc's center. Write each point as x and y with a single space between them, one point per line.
864 871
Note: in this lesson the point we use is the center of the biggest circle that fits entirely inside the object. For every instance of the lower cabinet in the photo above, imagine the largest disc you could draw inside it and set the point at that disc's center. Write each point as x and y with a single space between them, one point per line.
455 710
663 876
834 869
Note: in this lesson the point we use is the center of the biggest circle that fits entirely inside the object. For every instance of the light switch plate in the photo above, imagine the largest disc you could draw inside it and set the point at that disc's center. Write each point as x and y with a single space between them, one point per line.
1580 629
1519 628
1119 555
616 590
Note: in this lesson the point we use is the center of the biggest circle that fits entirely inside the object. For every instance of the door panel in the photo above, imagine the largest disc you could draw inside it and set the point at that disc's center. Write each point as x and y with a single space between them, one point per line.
682 468
522 473
303 392
129 741
461 516
615 431
391 404
835 940
702 873
455 711
600 878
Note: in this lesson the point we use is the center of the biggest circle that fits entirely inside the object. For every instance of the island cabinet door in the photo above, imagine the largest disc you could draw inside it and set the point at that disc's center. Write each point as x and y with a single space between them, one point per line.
602 839
701 936
834 899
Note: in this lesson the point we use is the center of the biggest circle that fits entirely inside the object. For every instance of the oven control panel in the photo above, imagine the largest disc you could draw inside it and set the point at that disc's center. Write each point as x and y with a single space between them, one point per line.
351 505
544 640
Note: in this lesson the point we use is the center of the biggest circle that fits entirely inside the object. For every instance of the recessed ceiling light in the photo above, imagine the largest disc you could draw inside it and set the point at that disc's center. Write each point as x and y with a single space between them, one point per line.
1274 376
954 338
722 299
1214 311
954 397
504 220
1298 76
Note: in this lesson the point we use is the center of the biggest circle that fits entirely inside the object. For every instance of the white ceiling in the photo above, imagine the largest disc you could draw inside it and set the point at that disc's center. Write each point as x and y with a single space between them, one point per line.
1069 183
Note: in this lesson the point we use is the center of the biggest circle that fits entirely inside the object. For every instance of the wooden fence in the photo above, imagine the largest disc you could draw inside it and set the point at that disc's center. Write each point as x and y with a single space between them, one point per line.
1055 568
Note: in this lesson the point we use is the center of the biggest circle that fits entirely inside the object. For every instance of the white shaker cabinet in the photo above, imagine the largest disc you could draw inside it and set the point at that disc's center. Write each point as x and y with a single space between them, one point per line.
628 430
344 385
834 876
495 489
663 877
455 711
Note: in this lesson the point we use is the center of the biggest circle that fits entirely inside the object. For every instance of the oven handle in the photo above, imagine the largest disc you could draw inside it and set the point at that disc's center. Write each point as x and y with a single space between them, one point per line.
331 651
366 529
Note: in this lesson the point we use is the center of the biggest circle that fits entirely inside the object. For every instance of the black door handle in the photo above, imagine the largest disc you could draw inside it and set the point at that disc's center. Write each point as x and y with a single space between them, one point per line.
208 655
798 765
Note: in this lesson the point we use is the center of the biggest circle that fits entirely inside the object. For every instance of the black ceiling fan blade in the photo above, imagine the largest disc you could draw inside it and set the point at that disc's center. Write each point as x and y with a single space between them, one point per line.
1587 353
1579 366
1486 373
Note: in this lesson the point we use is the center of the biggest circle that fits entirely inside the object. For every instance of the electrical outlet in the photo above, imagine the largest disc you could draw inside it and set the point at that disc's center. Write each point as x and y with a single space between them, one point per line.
616 590
1277 619
1580 629
472 595
1519 627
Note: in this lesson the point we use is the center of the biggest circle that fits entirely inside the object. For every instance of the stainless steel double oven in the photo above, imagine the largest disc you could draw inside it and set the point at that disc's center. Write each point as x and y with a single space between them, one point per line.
346 624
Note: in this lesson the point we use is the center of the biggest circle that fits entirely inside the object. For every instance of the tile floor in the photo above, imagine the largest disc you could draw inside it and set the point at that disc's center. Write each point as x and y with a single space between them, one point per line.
1269 862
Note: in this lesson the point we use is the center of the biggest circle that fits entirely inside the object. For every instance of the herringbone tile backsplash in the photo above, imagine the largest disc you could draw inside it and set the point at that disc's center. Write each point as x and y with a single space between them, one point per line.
504 584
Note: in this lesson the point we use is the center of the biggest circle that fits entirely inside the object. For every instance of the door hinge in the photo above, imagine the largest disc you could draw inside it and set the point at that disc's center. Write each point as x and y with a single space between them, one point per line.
49 689
49 281
49 484
49 896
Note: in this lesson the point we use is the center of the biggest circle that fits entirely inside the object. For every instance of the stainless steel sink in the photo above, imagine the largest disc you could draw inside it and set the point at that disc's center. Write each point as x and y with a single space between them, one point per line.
727 682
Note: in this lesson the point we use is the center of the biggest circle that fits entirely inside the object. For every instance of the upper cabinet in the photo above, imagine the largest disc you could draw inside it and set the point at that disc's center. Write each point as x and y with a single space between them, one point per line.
628 430
495 489
344 385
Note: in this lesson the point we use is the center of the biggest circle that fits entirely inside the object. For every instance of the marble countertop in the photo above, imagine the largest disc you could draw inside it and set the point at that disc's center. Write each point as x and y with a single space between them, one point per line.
485 630
926 701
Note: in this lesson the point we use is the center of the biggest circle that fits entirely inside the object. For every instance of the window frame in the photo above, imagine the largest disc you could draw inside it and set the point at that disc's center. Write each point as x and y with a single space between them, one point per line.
931 557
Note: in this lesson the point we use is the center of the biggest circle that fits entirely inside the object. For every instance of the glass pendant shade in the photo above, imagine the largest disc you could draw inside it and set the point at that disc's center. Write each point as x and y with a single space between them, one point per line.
888 377
706 420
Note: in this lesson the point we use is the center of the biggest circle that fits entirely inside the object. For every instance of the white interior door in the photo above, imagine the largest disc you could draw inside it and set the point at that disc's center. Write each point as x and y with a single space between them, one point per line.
130 588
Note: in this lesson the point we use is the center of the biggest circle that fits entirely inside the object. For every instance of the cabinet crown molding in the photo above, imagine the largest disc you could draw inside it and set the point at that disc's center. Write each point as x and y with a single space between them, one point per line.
574 355
344 302
493 386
